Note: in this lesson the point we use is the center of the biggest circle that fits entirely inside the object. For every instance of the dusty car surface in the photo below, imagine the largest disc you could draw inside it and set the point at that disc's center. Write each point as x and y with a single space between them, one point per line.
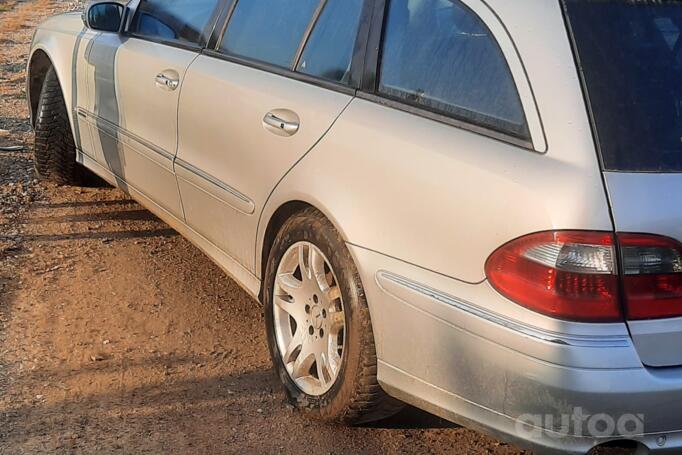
470 206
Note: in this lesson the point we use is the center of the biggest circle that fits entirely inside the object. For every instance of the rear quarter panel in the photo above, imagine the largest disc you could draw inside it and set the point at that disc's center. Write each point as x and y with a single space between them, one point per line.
437 196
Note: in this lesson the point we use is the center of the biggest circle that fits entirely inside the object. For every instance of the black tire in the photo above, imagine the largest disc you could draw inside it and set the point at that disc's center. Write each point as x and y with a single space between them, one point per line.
55 148
356 397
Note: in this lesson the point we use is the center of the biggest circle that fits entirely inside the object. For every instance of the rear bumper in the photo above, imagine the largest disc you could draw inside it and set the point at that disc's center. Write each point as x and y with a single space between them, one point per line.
541 389
530 430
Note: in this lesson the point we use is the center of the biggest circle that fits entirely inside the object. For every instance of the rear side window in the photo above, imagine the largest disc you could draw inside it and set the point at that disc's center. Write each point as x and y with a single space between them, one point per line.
329 51
269 31
437 54
173 20
630 56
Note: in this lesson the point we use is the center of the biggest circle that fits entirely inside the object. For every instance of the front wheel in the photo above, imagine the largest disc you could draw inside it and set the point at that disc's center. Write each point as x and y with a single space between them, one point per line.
55 149
318 325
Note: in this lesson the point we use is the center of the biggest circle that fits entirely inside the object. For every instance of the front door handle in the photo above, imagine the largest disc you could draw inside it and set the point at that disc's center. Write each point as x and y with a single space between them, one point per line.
168 80
281 122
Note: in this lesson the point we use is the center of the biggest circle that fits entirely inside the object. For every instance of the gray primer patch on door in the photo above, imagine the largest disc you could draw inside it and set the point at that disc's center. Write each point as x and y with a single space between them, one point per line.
101 54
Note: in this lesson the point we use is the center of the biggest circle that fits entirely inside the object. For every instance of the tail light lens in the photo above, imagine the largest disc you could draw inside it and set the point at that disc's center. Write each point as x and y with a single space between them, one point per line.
652 276
574 275
566 274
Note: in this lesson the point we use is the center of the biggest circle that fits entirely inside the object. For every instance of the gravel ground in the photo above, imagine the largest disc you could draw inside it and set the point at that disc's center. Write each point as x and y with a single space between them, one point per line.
118 336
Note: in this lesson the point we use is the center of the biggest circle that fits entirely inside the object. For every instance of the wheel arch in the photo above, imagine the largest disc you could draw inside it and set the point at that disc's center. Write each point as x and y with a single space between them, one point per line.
266 240
273 218
38 67
55 47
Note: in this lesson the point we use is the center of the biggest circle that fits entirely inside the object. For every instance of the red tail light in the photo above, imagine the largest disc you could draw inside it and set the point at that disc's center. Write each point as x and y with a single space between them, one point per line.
568 274
574 275
652 276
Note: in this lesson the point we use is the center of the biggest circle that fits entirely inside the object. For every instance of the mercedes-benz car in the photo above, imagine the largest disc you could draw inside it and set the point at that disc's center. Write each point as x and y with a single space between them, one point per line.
470 206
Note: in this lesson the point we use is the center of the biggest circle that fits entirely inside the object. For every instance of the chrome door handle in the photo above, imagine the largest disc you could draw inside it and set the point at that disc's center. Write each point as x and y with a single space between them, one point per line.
276 123
166 82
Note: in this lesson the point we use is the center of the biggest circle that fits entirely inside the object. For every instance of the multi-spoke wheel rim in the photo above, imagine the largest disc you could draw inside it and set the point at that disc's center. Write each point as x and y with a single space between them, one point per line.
309 318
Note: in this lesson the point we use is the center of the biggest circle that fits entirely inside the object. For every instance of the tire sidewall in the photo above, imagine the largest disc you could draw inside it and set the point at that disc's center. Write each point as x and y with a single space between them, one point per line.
318 231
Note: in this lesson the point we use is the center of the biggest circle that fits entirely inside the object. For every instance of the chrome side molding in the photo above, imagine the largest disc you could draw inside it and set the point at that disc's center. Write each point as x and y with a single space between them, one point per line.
384 277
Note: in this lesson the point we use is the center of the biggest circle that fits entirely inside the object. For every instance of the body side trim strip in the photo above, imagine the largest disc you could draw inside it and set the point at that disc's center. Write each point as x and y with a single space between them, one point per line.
214 187
115 130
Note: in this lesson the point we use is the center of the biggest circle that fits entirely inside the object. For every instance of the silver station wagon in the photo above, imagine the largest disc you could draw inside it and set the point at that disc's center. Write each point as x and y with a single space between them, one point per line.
471 206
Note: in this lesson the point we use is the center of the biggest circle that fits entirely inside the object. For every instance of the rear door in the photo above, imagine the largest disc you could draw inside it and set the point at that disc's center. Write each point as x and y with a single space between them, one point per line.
137 79
631 60
278 78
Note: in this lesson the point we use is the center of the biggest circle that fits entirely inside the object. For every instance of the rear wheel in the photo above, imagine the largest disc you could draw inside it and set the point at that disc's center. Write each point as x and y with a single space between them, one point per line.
55 149
318 325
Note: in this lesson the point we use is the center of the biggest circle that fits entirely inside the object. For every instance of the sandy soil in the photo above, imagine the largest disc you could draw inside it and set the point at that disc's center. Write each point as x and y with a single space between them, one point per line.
118 336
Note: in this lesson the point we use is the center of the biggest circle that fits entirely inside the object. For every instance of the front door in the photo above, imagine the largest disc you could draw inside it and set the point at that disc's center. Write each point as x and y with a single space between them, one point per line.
133 97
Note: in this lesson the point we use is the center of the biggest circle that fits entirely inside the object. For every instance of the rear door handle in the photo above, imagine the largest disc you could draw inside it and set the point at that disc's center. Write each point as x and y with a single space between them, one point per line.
282 122
168 80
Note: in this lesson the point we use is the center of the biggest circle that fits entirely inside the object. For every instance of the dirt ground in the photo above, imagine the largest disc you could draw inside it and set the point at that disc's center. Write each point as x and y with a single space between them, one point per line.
118 336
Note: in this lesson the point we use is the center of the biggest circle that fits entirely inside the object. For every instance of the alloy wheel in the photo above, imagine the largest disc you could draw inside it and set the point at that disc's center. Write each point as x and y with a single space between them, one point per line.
309 318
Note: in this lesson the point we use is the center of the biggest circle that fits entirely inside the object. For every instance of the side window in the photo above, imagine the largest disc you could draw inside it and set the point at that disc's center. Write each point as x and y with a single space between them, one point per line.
269 31
329 50
173 20
439 55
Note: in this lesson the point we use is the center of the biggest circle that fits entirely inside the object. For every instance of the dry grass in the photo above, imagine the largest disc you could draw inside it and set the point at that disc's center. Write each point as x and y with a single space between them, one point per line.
17 15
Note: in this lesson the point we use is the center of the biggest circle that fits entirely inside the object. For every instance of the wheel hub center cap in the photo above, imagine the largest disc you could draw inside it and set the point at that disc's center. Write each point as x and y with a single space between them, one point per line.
316 316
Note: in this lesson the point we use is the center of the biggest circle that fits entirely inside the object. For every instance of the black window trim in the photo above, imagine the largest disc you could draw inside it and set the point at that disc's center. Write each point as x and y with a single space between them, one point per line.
467 125
281 71
308 32
357 59
180 44
221 27
583 86
369 90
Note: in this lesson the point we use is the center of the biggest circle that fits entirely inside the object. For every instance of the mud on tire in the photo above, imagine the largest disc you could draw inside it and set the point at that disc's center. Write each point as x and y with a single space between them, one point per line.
55 149
356 397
